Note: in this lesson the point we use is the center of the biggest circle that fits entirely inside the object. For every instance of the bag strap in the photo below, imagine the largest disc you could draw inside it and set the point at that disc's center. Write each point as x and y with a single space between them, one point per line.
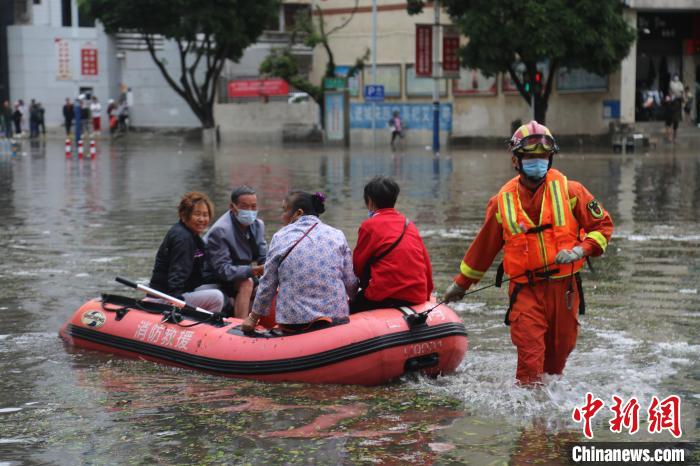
374 260
297 242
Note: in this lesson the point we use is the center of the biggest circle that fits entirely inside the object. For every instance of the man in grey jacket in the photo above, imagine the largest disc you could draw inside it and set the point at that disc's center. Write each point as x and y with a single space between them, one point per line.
236 250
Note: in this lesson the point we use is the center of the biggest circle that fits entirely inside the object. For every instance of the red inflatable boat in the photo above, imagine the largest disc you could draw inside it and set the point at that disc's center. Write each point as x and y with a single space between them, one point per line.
373 348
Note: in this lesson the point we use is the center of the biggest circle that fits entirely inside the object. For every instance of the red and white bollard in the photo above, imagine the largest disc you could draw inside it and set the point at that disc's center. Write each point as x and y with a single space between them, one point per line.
93 149
80 149
69 149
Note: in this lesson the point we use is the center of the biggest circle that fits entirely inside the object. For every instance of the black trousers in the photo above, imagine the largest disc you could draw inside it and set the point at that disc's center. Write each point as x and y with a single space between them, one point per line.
360 303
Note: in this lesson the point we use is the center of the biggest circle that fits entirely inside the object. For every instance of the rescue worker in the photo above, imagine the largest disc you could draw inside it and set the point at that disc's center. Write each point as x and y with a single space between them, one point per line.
547 226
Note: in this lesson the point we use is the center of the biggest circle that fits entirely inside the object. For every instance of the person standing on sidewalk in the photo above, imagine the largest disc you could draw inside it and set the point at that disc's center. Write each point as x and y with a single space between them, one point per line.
42 115
95 112
6 118
396 126
67 116
17 120
542 257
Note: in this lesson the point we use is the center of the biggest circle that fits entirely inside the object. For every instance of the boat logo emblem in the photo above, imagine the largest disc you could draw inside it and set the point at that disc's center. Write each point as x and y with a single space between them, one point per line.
94 319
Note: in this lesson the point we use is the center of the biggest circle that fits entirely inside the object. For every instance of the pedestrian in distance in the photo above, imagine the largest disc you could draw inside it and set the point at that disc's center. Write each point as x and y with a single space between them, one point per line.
33 119
85 120
95 112
396 126
42 115
77 117
67 116
17 120
687 104
673 107
6 118
23 115
542 257
112 116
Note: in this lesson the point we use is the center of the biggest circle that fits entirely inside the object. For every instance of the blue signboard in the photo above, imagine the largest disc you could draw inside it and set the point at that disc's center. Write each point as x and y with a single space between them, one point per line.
611 109
413 116
374 93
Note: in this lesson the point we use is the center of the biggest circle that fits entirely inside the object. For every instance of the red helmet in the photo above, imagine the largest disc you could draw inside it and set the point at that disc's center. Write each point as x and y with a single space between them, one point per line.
533 138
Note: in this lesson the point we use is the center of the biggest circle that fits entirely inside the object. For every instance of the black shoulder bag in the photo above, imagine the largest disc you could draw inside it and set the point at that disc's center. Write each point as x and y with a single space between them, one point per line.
366 273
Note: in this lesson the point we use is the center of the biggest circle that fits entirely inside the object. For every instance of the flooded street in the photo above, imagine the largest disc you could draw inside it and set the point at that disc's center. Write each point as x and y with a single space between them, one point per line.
68 227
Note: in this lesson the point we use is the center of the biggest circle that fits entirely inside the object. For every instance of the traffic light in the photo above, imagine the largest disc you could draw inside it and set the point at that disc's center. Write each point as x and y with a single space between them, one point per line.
538 83
527 86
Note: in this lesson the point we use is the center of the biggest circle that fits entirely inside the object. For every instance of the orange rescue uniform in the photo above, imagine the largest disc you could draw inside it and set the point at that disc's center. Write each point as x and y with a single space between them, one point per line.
543 316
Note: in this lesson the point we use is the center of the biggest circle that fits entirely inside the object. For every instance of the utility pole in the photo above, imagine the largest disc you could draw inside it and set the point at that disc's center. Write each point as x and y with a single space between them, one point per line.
436 79
374 66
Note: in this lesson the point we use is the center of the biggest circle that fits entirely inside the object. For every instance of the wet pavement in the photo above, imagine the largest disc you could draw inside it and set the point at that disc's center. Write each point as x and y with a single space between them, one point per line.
68 227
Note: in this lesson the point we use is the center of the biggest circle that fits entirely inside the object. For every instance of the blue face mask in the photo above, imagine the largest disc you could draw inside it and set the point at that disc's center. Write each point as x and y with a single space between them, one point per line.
370 213
535 169
246 217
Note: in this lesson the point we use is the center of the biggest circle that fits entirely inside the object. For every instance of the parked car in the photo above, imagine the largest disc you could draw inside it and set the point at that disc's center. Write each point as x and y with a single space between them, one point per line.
295 97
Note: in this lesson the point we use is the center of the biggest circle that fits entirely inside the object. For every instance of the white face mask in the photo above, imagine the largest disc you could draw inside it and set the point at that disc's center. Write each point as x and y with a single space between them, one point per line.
246 217
535 169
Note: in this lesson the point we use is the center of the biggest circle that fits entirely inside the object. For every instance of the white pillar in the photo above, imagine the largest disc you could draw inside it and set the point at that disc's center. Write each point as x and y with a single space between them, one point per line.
628 74
74 17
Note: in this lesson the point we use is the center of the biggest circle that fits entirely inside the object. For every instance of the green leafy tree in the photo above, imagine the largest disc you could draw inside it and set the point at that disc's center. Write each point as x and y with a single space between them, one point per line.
207 33
540 35
281 62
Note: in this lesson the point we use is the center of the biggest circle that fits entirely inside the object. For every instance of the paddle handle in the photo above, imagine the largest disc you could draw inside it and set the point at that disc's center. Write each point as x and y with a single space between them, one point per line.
126 282
158 294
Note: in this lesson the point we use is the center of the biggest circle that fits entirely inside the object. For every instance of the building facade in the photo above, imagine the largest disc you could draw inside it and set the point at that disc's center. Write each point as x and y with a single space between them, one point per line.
581 103
51 52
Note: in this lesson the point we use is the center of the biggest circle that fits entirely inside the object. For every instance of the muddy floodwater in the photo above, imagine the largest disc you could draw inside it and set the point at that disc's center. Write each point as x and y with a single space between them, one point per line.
69 226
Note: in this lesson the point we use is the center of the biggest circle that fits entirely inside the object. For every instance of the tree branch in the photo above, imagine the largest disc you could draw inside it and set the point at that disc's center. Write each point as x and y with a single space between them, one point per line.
518 84
554 65
347 21
183 70
151 49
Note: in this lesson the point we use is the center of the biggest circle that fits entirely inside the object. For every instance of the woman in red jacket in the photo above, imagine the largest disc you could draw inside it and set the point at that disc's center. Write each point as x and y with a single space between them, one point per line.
390 258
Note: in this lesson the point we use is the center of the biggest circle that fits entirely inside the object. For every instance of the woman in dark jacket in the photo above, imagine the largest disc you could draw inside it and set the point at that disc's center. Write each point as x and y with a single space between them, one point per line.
178 267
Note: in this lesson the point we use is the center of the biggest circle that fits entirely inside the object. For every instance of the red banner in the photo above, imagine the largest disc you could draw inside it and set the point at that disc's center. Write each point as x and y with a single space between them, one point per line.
257 87
88 62
450 52
692 47
424 50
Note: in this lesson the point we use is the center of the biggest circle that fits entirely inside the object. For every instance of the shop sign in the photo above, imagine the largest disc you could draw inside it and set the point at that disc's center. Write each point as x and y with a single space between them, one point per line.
257 87
424 50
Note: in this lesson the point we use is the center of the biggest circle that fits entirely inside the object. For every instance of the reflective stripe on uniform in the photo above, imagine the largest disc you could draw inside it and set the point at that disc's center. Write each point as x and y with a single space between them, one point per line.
572 202
469 272
598 238
557 203
510 213
498 218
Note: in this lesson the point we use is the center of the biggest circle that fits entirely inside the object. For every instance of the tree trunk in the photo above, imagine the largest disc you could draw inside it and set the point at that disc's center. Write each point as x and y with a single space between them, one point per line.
540 109
209 137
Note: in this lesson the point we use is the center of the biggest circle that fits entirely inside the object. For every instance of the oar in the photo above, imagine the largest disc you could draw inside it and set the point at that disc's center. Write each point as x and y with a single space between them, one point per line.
172 300
421 317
